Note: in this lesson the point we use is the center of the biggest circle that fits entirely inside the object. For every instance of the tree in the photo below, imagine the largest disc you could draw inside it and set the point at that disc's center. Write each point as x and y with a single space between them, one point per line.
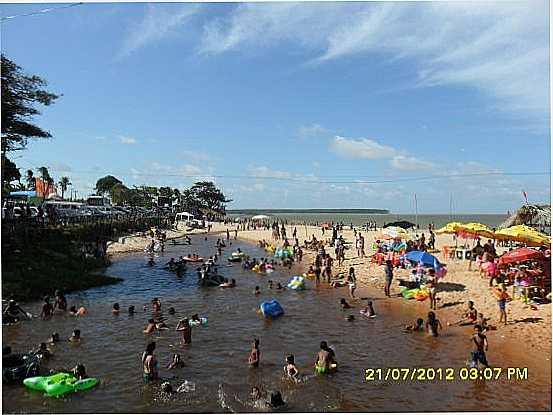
10 174
207 196
20 94
105 184
64 183
121 194
30 180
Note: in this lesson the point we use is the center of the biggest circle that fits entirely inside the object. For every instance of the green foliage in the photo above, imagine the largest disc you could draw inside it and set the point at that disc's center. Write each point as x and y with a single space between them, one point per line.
20 94
10 174
105 184
64 183
30 180
121 195
204 196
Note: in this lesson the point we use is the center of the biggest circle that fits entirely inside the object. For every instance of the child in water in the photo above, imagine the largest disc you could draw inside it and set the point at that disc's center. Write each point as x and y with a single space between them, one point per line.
42 352
131 310
75 336
368 311
290 369
116 309
257 291
270 282
150 327
184 327
176 362
255 354
55 338
344 304
418 326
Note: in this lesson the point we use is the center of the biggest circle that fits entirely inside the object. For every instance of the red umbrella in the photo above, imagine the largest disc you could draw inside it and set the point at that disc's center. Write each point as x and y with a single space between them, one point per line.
520 255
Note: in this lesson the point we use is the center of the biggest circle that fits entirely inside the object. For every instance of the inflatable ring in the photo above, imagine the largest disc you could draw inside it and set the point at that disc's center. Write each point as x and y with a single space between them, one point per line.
59 384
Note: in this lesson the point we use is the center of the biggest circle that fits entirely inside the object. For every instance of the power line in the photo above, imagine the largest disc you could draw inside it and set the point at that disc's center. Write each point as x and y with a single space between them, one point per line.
315 179
43 11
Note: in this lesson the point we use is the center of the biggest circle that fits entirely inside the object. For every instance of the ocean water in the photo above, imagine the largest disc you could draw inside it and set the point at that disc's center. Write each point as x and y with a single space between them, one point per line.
439 220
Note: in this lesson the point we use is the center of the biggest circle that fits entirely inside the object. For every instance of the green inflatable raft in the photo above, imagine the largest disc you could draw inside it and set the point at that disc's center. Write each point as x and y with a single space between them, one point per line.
408 294
59 384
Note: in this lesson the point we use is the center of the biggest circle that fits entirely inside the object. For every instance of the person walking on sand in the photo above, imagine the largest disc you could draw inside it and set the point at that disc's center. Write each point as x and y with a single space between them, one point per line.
389 271
501 293
431 282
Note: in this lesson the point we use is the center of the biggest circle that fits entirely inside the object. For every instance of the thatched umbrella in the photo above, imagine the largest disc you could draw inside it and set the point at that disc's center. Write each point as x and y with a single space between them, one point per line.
536 216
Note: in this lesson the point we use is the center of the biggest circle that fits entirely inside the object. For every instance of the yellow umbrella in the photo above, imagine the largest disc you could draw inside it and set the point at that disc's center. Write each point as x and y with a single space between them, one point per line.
451 227
525 234
477 229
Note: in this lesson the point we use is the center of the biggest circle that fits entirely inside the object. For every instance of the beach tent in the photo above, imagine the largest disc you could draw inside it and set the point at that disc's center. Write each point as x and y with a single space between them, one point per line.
404 224
424 257
525 234
260 217
520 255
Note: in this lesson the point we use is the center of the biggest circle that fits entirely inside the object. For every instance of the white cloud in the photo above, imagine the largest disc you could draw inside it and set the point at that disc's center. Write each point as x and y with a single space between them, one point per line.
312 130
198 156
499 48
159 21
362 148
408 163
123 139
266 172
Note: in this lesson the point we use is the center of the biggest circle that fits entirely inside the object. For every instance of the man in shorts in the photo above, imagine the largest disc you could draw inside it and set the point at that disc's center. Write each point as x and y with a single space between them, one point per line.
480 347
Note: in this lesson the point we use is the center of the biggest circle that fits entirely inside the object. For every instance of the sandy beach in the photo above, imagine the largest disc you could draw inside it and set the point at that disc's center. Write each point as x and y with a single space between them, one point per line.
533 327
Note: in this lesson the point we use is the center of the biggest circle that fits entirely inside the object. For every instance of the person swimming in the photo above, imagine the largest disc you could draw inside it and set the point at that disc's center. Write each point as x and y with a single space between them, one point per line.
351 317
255 354
171 310
60 303
55 338
42 351
116 309
47 309
131 310
368 311
75 336
257 290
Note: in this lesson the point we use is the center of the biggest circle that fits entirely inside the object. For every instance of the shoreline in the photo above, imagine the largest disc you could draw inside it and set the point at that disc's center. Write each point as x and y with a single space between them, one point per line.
528 328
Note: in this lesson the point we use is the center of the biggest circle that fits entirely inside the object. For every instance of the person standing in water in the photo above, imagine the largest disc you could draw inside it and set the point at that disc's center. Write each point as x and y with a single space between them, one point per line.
432 324
184 327
325 359
480 347
149 363
389 271
352 282
290 369
255 354
47 309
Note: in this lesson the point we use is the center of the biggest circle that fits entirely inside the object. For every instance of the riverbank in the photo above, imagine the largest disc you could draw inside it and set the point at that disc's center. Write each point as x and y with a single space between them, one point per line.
528 327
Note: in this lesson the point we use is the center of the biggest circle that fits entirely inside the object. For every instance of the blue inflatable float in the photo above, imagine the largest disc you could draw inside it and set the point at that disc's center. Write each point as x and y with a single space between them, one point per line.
271 309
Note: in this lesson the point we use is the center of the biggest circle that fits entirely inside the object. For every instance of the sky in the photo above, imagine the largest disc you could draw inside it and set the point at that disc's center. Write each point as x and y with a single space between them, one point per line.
297 105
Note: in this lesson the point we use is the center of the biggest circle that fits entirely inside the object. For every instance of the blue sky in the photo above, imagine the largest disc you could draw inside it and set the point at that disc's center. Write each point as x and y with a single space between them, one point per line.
290 105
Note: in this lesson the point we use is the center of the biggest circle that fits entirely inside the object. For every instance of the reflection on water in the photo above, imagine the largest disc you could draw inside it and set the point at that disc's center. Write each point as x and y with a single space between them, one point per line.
216 362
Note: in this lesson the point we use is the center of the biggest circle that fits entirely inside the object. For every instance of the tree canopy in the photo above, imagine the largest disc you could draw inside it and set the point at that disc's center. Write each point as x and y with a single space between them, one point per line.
20 94
106 183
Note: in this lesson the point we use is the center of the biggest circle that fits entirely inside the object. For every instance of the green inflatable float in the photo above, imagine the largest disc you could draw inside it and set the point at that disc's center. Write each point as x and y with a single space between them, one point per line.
59 384
408 294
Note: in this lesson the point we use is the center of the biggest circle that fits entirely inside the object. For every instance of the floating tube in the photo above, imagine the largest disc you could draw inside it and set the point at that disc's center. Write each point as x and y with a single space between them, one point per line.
59 384
296 283
190 259
408 294
202 322
271 309
235 259
321 370
421 295
16 367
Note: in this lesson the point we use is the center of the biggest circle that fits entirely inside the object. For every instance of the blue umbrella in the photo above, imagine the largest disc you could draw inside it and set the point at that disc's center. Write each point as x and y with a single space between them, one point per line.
424 257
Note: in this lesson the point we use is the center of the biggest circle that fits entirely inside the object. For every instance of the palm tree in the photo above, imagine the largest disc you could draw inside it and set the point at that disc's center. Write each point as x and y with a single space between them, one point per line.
30 179
63 183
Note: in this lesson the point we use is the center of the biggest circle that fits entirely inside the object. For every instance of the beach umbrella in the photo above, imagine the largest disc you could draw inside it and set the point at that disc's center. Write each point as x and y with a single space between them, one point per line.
404 224
520 255
260 217
424 257
451 227
477 229
396 232
525 234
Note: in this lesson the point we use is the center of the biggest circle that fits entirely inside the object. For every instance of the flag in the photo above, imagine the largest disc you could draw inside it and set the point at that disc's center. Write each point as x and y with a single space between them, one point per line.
525 195
44 189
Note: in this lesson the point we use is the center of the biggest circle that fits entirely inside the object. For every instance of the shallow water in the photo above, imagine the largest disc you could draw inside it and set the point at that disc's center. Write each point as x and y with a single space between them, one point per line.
216 360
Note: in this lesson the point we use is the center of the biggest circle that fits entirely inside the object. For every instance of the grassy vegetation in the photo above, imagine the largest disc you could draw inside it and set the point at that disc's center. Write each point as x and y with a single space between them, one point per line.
37 265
